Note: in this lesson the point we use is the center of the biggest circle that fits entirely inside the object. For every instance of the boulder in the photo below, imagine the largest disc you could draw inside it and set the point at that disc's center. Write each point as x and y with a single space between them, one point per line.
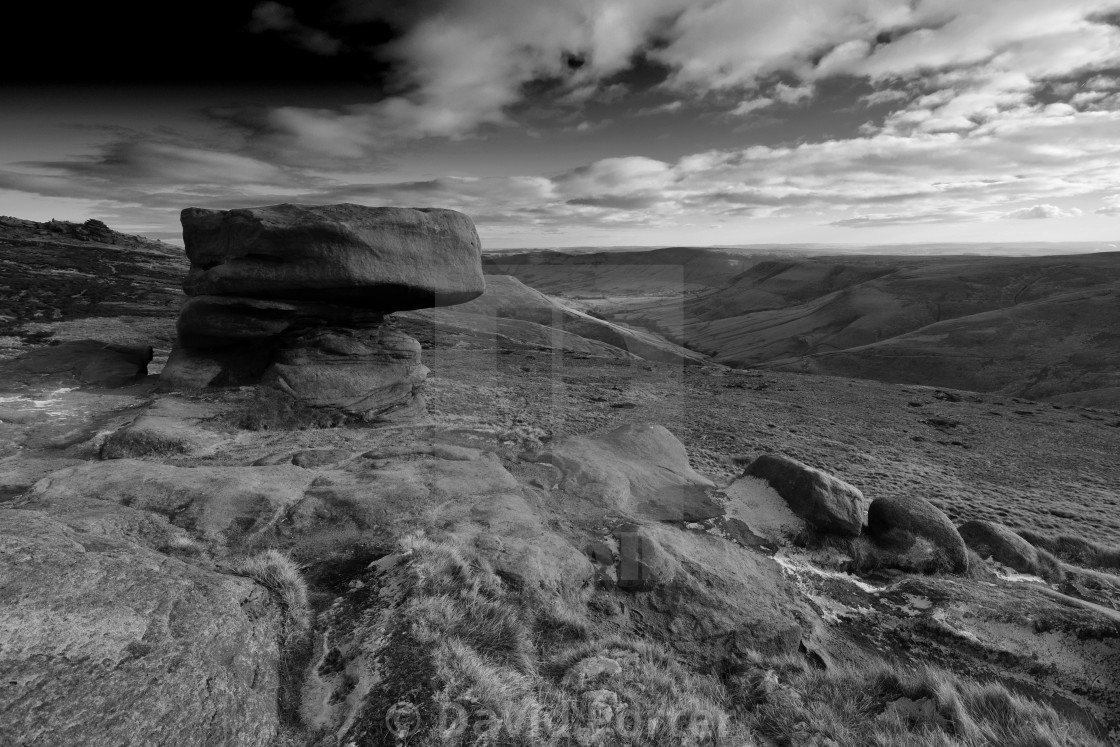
640 469
383 258
989 539
822 500
90 362
918 535
374 373
107 643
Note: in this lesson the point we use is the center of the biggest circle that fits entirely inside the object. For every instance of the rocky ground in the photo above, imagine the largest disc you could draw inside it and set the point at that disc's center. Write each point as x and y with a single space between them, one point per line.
568 527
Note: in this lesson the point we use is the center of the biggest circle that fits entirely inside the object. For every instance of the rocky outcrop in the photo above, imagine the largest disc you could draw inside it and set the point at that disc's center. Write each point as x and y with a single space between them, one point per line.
295 297
106 642
825 502
918 535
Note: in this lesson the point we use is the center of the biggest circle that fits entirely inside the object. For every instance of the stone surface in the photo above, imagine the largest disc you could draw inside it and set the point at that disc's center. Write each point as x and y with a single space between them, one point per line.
989 539
106 643
827 503
189 369
218 321
219 504
373 373
919 534
90 362
380 258
641 470
170 427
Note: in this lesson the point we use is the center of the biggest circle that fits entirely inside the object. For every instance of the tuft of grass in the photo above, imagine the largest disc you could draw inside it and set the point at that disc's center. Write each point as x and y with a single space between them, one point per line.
127 444
1073 549
277 573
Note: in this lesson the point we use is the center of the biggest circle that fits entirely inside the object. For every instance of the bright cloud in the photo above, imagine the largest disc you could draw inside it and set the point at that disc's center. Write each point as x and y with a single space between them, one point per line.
1042 212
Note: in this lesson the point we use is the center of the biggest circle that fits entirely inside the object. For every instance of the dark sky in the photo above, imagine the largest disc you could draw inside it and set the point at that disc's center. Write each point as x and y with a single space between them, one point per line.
579 122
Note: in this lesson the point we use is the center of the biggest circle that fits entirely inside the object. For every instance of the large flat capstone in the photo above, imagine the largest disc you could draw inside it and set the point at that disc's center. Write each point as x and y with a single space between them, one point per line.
384 258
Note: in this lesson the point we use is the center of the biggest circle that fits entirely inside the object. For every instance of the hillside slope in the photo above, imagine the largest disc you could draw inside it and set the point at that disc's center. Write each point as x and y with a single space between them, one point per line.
1027 326
61 271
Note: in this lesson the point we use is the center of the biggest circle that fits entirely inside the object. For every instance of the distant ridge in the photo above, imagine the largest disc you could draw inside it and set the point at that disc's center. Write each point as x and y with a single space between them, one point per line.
986 249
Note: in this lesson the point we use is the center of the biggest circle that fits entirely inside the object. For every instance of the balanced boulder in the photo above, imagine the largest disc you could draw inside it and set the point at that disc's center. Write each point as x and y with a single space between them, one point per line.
918 535
295 297
826 503
383 258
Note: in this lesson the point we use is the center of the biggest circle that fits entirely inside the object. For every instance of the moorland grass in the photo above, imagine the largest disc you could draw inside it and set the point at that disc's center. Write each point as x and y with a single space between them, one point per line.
519 656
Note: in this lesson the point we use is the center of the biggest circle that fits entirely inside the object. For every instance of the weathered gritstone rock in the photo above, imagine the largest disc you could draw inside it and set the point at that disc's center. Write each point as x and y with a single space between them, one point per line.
384 258
991 540
641 470
918 535
219 503
90 362
376 372
106 643
825 502
219 321
294 297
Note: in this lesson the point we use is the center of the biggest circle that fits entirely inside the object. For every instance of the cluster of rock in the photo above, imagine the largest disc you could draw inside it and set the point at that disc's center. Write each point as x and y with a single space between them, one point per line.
906 533
296 297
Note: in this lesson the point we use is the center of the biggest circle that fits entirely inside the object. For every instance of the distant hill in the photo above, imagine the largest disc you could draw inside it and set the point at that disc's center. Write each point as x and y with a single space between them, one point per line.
1038 327
59 270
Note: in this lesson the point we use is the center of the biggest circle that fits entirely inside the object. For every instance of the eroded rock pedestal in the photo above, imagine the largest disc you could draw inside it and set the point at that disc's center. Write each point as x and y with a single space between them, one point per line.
296 297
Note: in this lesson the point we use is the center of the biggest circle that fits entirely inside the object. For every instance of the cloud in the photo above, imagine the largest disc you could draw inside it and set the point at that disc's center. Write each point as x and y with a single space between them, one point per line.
463 65
1042 212
906 219
751 105
273 17
1111 205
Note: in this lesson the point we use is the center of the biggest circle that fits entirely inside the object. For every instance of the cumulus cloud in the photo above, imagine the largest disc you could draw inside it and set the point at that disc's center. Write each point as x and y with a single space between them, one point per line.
1042 212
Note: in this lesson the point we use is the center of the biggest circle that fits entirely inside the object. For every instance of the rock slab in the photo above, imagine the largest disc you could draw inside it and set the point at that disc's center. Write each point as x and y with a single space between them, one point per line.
106 643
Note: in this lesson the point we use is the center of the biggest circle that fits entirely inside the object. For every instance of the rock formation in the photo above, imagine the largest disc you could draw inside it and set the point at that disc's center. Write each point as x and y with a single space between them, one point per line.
296 298
819 498
920 536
